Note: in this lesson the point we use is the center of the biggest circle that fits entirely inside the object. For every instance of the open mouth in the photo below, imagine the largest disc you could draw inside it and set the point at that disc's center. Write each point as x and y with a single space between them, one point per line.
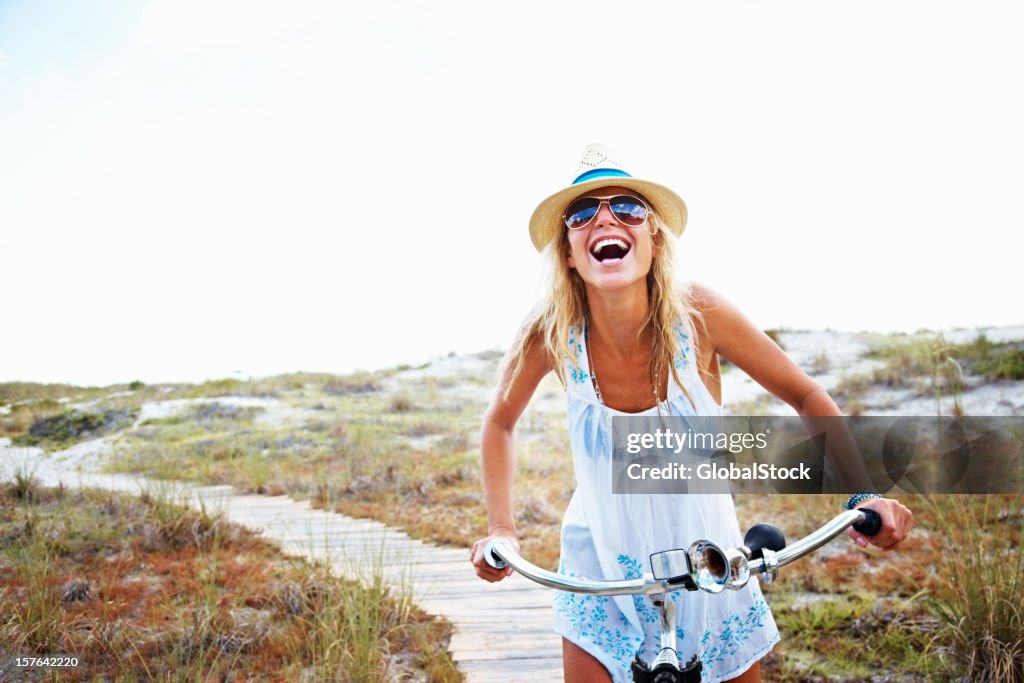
609 249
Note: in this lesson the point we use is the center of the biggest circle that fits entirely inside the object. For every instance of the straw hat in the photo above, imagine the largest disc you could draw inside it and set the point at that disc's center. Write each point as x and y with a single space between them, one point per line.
597 169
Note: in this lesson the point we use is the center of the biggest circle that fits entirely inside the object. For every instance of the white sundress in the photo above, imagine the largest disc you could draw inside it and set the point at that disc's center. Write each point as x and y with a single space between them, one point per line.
611 536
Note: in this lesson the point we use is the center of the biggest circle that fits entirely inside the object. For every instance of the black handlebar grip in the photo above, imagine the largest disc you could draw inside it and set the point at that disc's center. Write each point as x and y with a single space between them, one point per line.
763 536
872 522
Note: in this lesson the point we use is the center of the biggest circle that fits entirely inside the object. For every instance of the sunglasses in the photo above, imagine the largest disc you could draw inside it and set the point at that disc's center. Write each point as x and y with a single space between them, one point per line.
628 210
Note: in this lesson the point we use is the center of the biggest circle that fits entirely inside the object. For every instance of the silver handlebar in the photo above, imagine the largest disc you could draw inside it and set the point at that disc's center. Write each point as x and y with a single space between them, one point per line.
811 542
499 554
510 558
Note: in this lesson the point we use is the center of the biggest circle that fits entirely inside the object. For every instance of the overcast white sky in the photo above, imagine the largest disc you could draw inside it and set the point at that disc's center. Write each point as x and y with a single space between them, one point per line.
197 188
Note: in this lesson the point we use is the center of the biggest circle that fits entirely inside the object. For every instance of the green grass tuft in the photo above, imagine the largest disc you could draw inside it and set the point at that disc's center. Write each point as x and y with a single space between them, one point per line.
978 593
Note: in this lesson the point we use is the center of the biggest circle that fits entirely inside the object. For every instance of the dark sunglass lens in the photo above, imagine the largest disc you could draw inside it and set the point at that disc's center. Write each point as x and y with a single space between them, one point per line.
629 210
581 212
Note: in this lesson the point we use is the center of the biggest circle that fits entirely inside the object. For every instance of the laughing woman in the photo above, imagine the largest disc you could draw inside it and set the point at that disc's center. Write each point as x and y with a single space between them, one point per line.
625 340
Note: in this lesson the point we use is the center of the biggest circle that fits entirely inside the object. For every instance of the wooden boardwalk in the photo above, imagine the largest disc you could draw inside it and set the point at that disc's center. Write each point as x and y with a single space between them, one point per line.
502 631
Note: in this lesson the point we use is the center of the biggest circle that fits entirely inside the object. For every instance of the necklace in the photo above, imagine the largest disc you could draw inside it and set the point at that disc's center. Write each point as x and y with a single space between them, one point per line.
593 373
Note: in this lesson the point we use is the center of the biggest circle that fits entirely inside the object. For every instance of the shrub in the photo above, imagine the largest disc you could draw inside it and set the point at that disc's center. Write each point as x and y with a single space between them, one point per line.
1008 364
821 363
401 404
73 425
357 383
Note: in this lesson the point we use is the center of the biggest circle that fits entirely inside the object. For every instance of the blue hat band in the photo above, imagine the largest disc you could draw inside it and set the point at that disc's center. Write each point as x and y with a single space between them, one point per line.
595 173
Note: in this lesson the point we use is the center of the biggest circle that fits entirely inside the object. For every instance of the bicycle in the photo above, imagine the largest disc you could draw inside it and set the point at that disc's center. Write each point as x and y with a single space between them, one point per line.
703 566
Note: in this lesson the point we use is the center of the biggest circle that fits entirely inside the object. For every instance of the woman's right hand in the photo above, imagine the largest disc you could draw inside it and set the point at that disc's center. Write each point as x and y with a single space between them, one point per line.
476 556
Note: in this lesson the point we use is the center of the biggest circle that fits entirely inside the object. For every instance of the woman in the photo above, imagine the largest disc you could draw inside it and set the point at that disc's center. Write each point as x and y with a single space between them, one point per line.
624 340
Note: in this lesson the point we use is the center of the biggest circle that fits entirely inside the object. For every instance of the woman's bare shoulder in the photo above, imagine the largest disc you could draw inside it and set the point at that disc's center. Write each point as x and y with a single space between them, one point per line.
703 298
738 340
721 322
528 359
525 365
535 352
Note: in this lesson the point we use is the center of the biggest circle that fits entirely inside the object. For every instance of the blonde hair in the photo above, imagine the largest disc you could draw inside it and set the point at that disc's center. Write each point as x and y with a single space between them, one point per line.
558 320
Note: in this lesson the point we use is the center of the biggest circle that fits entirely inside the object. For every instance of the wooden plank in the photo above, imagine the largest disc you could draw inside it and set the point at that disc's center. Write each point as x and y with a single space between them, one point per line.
393 543
530 615
450 589
541 630
526 652
523 667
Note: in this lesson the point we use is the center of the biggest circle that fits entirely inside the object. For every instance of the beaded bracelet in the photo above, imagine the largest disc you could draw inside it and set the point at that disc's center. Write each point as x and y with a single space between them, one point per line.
858 498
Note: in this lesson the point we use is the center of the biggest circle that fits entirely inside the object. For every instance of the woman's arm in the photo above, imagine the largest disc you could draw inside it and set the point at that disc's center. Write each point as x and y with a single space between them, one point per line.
497 452
735 338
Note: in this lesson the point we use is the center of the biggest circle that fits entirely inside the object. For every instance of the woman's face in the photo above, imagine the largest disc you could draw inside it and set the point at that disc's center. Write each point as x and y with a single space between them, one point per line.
607 253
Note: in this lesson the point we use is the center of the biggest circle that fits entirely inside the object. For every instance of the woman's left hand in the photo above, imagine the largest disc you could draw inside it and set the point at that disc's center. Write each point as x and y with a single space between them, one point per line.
896 522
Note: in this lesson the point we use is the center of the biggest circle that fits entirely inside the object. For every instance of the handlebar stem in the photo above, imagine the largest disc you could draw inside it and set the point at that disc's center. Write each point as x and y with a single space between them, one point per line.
669 650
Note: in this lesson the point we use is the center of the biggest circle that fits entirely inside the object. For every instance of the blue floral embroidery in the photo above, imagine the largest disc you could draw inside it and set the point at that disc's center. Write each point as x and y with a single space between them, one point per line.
645 609
588 615
577 374
631 567
682 357
735 631
574 369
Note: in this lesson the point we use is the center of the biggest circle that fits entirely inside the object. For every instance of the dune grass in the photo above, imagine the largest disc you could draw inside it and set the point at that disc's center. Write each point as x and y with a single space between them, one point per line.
979 591
945 606
141 588
927 365
931 357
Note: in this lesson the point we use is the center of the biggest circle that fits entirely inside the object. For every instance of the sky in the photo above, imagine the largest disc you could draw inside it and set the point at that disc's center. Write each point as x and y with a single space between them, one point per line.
193 189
